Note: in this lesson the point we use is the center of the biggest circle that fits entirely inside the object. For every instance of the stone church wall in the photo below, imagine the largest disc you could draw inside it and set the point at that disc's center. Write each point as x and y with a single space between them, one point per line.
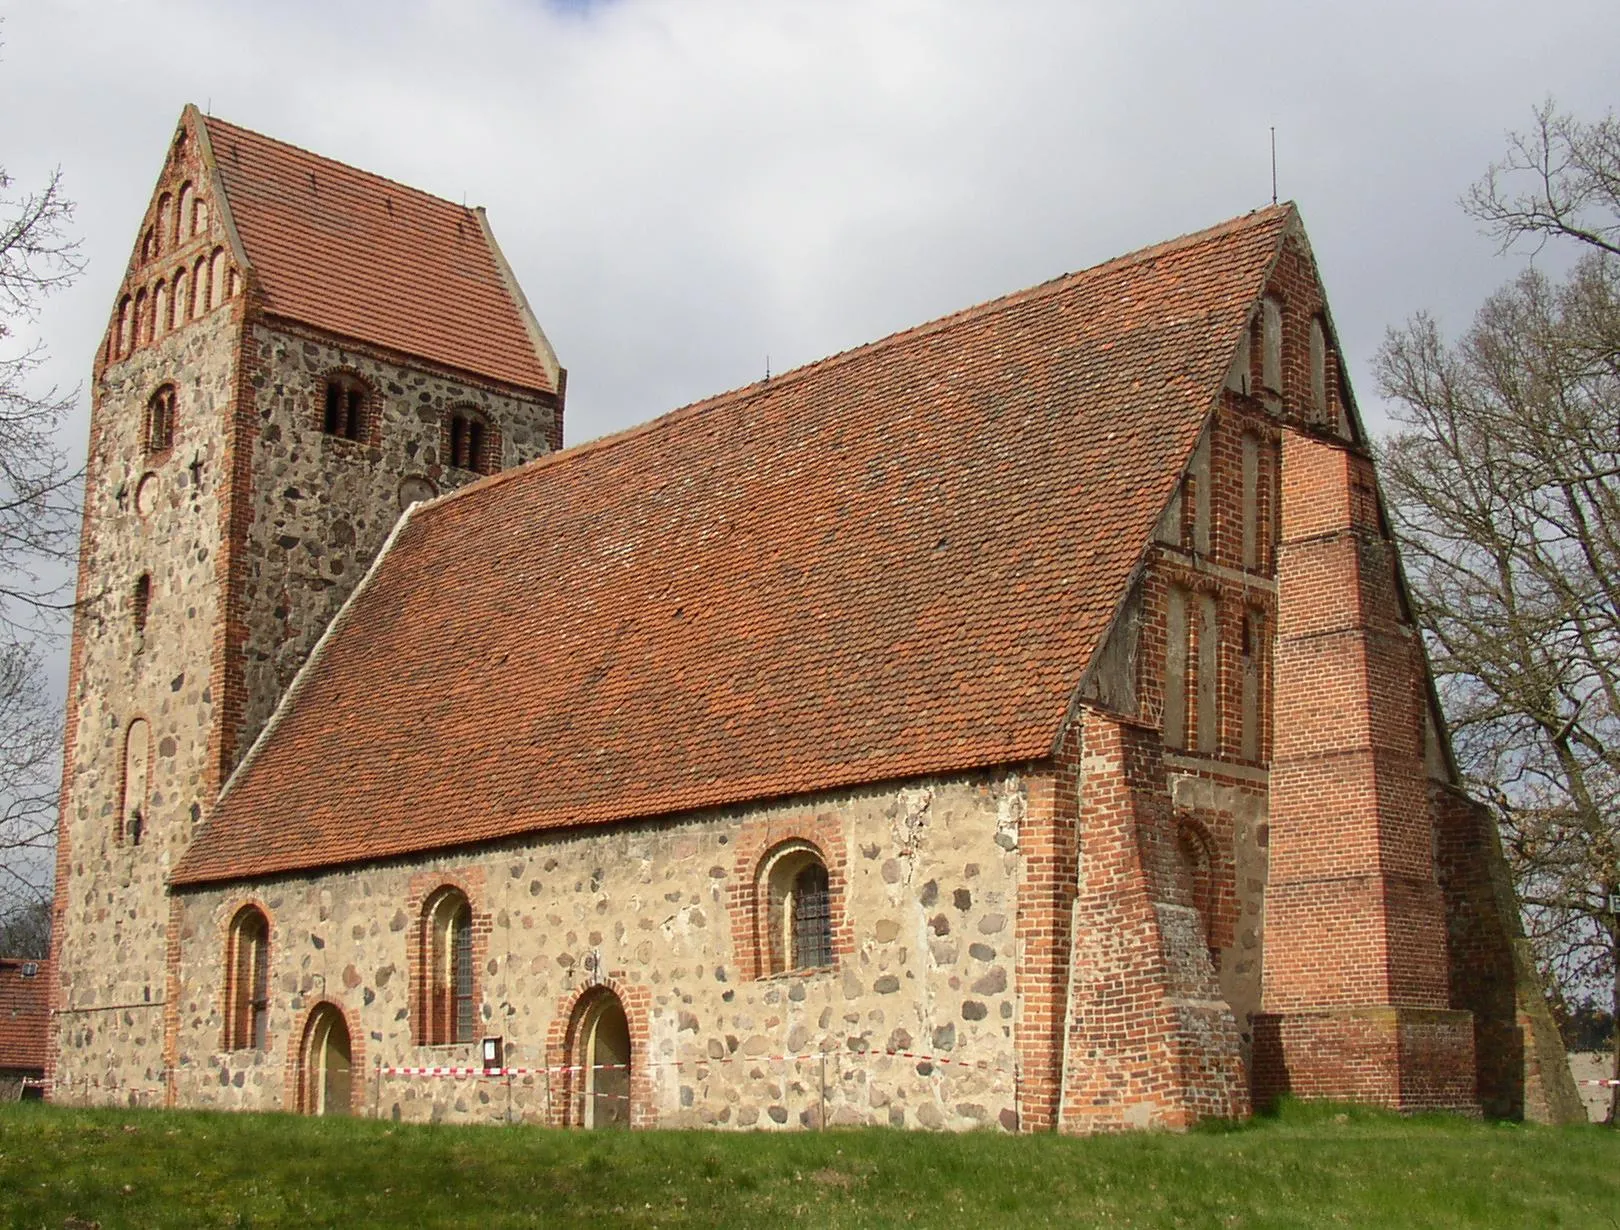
323 505
157 513
925 882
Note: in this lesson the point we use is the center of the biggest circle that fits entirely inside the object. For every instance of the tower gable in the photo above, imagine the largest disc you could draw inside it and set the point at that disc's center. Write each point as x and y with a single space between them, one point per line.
185 264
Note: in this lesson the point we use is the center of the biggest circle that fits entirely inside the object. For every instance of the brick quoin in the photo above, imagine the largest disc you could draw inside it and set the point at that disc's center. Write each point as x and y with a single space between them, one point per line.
1356 984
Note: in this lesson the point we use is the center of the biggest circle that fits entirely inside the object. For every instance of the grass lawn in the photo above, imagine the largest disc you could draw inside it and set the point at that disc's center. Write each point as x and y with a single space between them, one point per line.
1309 1166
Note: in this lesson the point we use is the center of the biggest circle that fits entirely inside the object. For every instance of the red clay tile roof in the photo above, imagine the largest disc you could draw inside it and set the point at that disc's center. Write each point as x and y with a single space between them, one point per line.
373 260
897 561
25 1018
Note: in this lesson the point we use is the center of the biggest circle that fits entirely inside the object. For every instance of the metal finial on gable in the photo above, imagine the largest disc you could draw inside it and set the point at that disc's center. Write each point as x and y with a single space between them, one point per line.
1274 164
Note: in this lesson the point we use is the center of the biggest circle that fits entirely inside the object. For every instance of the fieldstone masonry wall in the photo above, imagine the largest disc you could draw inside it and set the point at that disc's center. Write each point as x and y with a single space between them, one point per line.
157 514
929 902
324 505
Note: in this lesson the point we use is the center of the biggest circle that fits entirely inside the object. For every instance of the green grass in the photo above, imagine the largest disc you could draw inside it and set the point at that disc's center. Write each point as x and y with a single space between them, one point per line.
1310 1166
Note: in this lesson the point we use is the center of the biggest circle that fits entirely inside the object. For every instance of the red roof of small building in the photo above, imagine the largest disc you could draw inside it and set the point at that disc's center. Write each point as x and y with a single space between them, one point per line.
370 259
897 561
25 1017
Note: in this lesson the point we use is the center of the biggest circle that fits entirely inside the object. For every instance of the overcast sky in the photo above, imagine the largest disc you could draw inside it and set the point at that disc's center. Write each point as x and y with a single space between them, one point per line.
687 186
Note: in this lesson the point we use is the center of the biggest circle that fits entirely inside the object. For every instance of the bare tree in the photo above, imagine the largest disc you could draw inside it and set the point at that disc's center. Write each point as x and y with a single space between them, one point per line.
1560 180
39 514
1504 484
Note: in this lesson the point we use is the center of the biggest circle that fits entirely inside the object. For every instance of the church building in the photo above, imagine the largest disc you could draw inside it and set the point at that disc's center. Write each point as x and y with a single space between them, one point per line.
1016 722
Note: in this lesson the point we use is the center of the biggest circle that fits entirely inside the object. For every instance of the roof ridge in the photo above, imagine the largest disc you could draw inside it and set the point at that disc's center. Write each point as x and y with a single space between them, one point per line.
793 375
347 166
989 307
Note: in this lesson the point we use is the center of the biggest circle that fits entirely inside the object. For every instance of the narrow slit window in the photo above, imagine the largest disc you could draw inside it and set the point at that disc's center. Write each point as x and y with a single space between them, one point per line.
1175 669
1319 383
1249 734
1251 500
143 602
132 805
1208 712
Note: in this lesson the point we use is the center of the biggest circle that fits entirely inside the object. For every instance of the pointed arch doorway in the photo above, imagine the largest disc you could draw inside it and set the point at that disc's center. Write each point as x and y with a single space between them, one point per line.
325 1070
601 1051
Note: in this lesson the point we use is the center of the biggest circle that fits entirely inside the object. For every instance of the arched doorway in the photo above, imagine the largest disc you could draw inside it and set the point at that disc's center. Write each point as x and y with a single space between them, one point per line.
324 1070
602 1052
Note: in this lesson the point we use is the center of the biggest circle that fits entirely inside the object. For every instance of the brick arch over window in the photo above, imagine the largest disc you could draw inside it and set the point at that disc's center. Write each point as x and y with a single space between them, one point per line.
246 999
770 857
471 440
449 948
568 1046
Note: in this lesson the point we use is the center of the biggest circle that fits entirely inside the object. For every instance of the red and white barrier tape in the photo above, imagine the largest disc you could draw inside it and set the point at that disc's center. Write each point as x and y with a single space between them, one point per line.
1604 1084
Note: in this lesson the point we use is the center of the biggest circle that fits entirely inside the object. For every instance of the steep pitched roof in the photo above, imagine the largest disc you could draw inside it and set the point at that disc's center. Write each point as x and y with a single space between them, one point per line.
897 561
25 1019
370 259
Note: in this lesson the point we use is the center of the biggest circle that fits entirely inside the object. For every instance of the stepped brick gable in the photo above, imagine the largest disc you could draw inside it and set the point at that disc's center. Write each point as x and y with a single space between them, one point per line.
1015 722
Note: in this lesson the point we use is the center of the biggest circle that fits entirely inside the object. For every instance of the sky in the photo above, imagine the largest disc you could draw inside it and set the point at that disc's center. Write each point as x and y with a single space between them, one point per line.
690 190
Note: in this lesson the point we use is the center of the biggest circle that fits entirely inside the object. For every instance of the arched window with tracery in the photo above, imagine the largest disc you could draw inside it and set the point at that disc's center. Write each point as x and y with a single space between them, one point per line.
160 420
796 897
247 991
448 1013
